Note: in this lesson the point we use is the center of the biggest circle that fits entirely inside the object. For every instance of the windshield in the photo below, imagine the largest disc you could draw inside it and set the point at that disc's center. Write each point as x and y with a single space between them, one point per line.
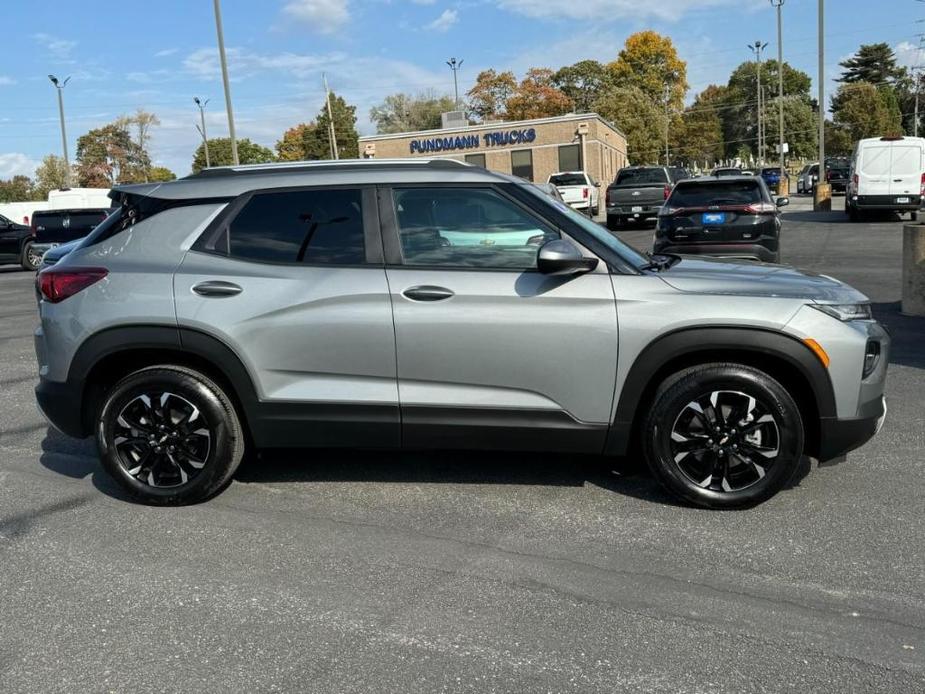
775 171
707 194
569 179
727 172
625 251
641 176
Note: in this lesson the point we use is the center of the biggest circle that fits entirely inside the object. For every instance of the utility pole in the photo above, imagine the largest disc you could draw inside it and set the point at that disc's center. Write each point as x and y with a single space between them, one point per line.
333 136
667 121
224 61
60 87
822 178
202 128
780 87
454 66
756 49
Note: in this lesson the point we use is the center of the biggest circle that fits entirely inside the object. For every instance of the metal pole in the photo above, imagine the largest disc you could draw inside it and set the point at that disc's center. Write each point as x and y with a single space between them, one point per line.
667 120
822 178
60 87
454 66
202 129
333 136
780 85
224 61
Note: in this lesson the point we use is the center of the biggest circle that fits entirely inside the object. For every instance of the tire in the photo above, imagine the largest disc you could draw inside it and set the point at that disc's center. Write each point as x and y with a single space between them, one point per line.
913 216
741 469
29 259
594 211
186 467
615 223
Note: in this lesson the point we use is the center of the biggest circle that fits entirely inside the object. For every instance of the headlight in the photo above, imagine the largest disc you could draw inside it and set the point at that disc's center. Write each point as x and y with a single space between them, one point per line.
846 312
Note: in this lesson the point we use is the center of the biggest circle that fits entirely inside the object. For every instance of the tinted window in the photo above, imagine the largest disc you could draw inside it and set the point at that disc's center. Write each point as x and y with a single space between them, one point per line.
87 219
569 158
477 159
522 163
315 226
775 171
706 194
467 227
641 176
728 172
568 180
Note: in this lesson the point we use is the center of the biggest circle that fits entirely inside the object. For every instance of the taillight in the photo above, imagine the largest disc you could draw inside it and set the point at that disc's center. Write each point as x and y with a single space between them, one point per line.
854 180
58 285
761 208
584 192
828 175
667 191
922 185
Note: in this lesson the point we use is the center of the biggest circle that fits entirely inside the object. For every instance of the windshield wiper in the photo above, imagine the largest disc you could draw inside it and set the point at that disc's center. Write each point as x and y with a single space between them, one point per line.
661 262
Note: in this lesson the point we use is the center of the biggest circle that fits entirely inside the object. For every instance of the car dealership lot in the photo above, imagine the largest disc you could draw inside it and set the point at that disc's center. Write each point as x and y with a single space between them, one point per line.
471 572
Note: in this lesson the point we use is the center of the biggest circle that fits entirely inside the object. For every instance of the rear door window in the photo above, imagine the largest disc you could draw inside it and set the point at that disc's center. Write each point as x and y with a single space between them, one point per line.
708 194
907 160
875 161
308 226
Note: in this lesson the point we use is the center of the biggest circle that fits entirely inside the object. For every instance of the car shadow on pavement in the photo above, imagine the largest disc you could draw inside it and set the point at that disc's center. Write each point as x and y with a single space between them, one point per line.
77 458
906 332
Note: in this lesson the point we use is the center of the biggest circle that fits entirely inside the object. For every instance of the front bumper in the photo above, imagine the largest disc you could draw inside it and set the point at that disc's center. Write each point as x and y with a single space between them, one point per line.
839 436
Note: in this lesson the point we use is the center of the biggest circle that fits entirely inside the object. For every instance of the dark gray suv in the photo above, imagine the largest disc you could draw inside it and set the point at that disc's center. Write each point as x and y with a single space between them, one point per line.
432 304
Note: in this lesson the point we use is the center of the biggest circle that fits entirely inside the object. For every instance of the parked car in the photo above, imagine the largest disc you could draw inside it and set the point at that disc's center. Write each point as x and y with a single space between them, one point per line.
17 245
721 216
771 176
804 179
318 305
836 174
578 189
886 173
728 171
51 228
638 193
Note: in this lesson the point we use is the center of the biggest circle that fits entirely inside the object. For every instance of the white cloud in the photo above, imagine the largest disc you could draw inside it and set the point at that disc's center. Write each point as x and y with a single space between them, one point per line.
16 163
166 52
670 10
442 23
907 54
324 16
58 48
243 63
4 80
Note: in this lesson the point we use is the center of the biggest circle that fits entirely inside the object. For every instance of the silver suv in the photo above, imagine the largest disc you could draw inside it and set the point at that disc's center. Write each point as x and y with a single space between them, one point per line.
432 304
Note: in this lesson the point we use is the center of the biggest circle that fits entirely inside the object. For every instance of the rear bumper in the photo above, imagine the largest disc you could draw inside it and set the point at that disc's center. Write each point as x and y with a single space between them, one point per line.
60 405
839 436
885 202
726 250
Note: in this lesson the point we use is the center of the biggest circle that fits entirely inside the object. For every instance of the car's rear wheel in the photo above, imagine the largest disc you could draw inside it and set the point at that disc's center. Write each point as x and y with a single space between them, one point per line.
723 435
31 259
169 435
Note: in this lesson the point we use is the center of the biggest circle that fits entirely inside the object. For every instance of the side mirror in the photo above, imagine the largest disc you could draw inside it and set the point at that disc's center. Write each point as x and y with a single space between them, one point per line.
782 202
561 257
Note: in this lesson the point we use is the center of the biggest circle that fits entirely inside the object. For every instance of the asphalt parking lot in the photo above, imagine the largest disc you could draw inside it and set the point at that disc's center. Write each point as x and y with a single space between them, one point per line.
344 571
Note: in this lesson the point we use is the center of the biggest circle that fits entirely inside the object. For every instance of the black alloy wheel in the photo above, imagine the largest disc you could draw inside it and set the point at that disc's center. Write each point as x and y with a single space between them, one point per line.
31 258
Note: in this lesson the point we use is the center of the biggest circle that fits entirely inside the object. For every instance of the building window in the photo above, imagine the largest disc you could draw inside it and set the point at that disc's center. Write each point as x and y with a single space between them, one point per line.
569 158
522 163
477 159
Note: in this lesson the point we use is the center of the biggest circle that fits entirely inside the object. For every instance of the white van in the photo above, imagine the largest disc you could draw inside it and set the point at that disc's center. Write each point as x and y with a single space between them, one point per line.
887 173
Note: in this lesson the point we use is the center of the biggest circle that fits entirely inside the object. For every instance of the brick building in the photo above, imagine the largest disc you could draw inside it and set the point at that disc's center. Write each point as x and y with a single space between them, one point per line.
531 149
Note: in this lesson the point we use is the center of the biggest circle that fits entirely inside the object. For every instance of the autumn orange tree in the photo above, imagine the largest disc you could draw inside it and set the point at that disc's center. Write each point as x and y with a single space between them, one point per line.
650 62
488 97
537 97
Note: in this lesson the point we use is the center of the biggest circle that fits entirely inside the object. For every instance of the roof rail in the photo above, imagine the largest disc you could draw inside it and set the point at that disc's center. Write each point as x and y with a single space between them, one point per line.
325 165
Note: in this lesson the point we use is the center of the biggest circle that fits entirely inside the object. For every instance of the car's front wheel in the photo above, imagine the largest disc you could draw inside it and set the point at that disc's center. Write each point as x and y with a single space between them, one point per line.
169 435
723 435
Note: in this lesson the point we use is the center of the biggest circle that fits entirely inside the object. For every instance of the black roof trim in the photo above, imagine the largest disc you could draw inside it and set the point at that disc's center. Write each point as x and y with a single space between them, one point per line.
341 165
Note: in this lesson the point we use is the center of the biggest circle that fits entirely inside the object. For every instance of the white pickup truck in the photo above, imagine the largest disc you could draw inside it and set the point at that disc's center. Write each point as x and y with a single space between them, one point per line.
577 189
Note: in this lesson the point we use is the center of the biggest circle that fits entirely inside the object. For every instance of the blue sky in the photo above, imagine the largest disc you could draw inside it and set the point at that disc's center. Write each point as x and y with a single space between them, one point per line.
158 55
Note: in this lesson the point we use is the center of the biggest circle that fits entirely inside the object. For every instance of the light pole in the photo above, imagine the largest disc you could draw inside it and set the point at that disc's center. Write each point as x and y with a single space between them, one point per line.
202 128
224 61
822 178
454 66
756 49
780 88
667 121
60 87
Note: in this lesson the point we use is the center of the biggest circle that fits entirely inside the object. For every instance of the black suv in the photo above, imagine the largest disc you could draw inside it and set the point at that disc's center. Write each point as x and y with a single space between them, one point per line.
725 216
17 245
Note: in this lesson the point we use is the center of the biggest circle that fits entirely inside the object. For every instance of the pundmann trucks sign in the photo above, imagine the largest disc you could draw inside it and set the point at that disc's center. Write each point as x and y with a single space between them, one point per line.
495 139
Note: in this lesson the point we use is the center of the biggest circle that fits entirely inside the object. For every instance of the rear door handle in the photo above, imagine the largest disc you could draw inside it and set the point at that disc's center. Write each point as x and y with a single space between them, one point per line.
427 292
217 288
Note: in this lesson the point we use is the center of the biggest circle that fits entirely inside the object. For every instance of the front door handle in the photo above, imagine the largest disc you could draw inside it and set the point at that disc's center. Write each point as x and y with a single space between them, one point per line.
427 292
217 288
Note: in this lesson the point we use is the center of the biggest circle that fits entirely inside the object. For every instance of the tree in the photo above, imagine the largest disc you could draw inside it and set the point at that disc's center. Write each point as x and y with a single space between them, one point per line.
640 119
703 127
50 175
142 121
318 143
108 155
295 143
17 189
220 153
537 97
874 63
801 127
584 83
488 97
838 142
650 62
400 113
158 174
861 110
